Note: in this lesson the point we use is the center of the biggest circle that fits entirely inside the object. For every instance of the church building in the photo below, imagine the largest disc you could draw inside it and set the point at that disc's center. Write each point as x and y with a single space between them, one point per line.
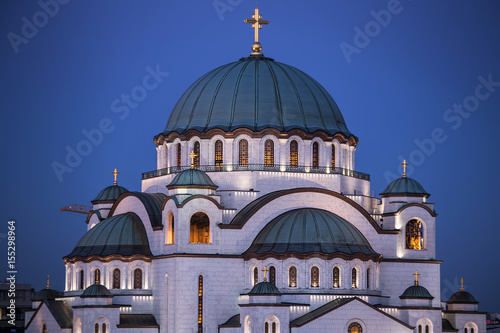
256 220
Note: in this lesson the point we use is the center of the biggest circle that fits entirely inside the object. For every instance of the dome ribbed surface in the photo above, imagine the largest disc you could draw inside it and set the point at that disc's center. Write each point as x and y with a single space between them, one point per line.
405 185
110 193
46 294
416 292
256 93
308 230
264 288
462 297
192 178
96 290
122 234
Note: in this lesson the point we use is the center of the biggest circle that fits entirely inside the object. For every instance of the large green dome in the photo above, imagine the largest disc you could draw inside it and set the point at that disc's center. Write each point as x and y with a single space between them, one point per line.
256 93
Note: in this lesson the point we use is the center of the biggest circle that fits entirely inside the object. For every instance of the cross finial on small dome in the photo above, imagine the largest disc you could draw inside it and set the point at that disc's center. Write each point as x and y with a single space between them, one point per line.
115 173
257 23
192 156
416 275
48 281
265 270
404 164
462 283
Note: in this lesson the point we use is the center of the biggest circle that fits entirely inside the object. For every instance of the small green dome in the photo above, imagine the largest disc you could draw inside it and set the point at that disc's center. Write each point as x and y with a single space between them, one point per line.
122 234
46 294
406 186
192 178
96 290
416 292
264 288
462 297
109 194
310 230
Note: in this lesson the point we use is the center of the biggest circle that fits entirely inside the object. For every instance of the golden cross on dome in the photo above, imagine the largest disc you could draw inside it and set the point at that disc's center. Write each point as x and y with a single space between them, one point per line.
192 155
404 164
257 23
416 275
265 270
48 281
462 283
115 173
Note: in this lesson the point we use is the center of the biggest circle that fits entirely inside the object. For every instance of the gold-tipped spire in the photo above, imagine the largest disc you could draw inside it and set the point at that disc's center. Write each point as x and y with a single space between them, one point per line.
462 283
257 23
265 270
404 164
416 275
115 173
48 281
192 155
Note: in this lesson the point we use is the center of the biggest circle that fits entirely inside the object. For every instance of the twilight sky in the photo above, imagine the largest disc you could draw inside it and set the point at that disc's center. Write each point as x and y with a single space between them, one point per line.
414 79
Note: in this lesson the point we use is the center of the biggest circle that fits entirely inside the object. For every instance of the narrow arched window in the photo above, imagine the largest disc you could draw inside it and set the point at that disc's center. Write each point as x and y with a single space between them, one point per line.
179 156
273 330
272 275
471 330
336 277
218 153
292 277
70 286
44 328
427 329
269 153
81 282
97 276
415 235
333 156
243 153
196 150
171 229
200 304
294 154
314 276
355 328
96 328
354 275
116 278
255 276
466 330
103 328
137 278
200 228
315 159
420 329
266 327
368 278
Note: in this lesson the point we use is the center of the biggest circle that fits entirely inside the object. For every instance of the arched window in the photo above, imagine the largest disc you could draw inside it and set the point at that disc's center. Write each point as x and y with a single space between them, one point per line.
196 150
294 154
200 228
414 235
273 330
44 328
243 153
179 156
354 275
292 276
69 279
333 156
171 229
269 153
255 276
466 330
368 278
248 328
103 328
427 329
97 276
218 153
272 275
420 329
355 328
96 328
200 304
336 277
116 278
137 278
266 327
471 327
314 276
315 161
81 282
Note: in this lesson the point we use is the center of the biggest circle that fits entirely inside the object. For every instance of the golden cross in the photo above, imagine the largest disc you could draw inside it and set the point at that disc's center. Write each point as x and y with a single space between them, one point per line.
257 23
48 281
115 173
265 270
192 155
416 275
462 282
404 164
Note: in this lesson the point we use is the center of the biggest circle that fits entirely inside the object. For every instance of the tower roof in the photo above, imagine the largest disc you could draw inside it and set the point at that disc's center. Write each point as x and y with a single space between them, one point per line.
462 297
264 288
404 186
96 290
192 178
109 194
46 294
416 291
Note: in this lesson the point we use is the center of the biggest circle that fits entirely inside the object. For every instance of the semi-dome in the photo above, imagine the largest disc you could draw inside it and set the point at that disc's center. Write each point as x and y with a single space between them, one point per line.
122 234
416 291
256 93
96 290
46 294
404 186
264 288
109 194
309 230
192 178
462 297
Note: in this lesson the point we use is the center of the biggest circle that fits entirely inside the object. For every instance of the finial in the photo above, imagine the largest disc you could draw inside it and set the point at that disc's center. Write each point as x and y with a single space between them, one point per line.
462 283
416 275
192 155
265 270
115 173
404 164
257 23
48 281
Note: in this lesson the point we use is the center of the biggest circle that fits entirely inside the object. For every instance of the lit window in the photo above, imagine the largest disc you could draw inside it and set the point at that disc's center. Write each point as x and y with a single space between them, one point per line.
44 328
269 153
294 154
103 328
314 277
200 304
272 275
415 235
171 229
355 328
196 150
255 276
218 153
96 328
179 160
292 277
315 163
336 277
333 156
243 153
137 278
116 279
81 282
200 229
354 275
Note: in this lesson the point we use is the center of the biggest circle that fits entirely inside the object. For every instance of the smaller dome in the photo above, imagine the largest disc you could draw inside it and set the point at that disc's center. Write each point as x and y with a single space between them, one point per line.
462 297
109 194
416 292
46 294
96 290
404 185
264 288
192 178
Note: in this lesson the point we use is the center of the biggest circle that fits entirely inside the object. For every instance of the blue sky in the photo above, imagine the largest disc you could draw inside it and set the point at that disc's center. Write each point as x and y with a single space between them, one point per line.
422 83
